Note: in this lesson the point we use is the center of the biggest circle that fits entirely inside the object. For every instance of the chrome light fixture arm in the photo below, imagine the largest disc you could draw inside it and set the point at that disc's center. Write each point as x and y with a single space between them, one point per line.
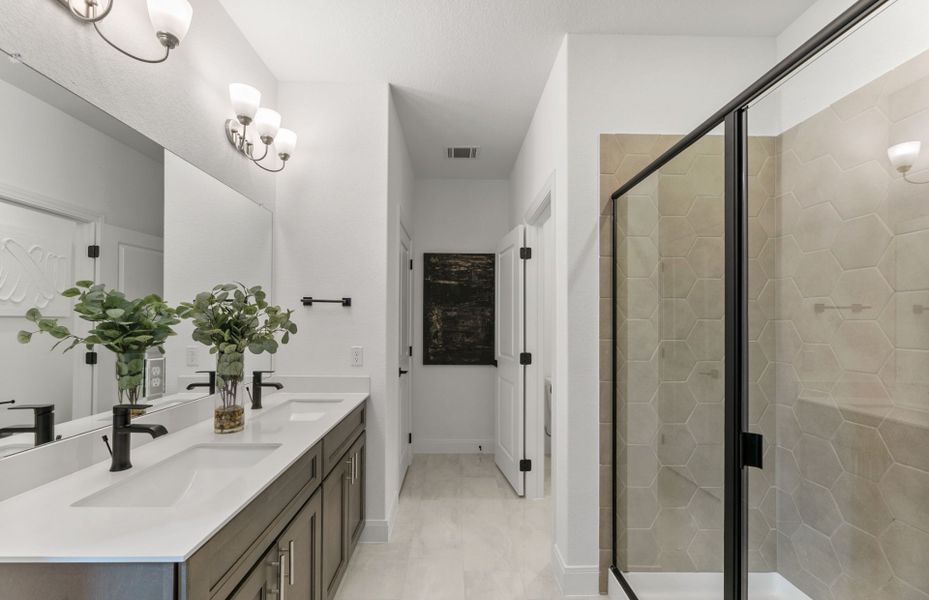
151 61
170 19
246 106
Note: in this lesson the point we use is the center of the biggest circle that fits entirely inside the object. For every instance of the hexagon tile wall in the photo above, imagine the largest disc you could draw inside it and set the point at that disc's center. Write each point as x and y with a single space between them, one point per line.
839 351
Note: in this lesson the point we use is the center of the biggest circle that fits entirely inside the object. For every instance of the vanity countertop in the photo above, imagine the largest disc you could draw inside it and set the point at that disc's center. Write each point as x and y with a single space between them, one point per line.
43 525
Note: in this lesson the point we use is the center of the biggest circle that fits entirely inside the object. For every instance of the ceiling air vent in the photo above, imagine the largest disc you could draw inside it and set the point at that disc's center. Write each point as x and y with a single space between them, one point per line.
462 151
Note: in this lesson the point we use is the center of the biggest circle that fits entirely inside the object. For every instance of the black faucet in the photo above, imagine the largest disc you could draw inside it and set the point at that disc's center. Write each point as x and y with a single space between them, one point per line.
43 422
210 384
257 384
123 430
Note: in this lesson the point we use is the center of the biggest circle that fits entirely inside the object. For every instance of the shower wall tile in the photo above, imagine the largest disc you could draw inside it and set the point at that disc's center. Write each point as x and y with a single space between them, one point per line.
670 348
850 252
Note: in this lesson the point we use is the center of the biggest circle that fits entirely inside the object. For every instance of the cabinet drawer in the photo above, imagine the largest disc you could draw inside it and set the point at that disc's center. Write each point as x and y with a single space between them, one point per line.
241 541
339 440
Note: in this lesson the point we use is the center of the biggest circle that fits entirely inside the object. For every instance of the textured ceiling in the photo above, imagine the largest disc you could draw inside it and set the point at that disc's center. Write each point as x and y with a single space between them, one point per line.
470 72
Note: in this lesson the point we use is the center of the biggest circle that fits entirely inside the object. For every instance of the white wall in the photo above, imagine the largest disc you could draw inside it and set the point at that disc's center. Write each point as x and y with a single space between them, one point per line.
895 35
399 216
213 235
52 154
605 84
453 405
48 157
181 104
331 240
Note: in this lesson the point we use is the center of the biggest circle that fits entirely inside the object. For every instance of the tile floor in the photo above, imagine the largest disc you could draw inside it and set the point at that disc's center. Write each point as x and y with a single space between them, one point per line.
460 534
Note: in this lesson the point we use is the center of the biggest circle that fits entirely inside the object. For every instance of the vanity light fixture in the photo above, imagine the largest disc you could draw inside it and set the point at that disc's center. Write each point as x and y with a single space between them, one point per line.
170 20
246 103
903 157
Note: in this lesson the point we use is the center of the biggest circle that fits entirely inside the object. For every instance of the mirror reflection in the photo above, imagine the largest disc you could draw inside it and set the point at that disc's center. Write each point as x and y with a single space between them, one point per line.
84 197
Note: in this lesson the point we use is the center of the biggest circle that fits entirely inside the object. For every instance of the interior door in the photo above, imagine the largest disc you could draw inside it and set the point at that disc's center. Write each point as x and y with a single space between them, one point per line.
406 353
133 263
509 401
41 255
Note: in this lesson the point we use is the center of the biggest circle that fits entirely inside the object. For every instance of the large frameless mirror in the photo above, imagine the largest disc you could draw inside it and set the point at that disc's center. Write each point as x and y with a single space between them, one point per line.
83 196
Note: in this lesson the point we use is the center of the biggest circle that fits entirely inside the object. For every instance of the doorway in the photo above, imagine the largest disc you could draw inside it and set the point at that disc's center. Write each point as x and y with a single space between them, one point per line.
405 351
525 330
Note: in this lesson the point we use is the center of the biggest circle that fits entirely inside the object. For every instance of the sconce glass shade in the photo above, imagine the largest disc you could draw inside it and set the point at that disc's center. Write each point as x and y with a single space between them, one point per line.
903 156
267 123
284 143
170 17
245 101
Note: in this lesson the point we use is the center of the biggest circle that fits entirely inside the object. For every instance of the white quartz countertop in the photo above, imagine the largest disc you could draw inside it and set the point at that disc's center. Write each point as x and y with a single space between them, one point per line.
43 525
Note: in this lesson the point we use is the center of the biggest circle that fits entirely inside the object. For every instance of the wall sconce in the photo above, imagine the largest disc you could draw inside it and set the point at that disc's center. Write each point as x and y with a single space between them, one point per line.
903 157
246 102
170 20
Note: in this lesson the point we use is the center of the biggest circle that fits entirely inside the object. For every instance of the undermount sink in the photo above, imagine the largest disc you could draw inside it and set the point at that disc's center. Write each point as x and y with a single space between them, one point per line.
196 474
298 410
10 449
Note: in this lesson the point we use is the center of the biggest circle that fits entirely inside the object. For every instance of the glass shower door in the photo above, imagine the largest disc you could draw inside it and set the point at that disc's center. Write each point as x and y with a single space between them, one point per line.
670 346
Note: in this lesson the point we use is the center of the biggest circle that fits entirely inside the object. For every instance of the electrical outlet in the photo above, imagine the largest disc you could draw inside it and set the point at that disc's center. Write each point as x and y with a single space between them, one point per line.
358 356
193 358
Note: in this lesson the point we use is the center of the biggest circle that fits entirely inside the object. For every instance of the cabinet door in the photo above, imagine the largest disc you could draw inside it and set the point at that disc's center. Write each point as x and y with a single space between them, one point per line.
299 547
356 493
335 543
261 582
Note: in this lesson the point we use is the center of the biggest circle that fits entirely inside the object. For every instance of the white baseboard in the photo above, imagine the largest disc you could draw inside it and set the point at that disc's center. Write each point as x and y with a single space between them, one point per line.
376 531
575 580
446 446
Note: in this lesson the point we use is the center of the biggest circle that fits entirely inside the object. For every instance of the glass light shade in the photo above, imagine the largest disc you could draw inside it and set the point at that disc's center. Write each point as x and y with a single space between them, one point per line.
285 142
170 16
903 156
245 100
267 123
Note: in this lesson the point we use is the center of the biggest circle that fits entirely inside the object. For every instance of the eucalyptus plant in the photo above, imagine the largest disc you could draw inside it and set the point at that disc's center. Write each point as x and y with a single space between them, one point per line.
129 328
231 319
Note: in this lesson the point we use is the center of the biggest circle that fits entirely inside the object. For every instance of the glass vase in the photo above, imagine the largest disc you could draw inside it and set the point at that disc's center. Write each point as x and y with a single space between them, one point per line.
130 374
229 411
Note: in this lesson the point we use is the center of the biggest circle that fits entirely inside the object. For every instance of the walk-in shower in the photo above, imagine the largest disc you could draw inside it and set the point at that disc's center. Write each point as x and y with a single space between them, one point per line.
771 334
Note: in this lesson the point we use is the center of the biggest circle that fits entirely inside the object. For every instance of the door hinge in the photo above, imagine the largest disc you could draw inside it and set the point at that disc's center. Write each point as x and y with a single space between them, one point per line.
525 465
752 450
410 439
525 253
411 264
525 358
93 251
90 358
411 350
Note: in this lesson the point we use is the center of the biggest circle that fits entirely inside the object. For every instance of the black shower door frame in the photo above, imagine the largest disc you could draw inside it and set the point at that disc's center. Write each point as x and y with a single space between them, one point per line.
742 448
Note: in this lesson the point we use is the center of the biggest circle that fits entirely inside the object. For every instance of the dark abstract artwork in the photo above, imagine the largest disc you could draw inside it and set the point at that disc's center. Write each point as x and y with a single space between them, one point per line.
458 309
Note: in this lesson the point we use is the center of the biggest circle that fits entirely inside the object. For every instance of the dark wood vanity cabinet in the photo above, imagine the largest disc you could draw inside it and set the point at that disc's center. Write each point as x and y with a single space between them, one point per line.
309 556
343 514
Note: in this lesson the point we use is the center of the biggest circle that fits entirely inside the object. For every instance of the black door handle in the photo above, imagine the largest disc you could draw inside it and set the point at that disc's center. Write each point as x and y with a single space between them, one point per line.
403 372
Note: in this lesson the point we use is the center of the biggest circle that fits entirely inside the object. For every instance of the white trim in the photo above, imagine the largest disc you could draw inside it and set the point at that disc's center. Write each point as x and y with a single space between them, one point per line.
448 446
538 214
376 531
55 206
542 200
575 580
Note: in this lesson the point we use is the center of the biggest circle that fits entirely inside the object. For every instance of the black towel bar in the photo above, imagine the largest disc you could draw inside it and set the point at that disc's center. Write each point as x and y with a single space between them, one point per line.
309 300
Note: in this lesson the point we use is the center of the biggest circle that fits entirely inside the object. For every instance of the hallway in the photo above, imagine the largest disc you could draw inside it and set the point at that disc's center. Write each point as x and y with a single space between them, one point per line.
460 533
